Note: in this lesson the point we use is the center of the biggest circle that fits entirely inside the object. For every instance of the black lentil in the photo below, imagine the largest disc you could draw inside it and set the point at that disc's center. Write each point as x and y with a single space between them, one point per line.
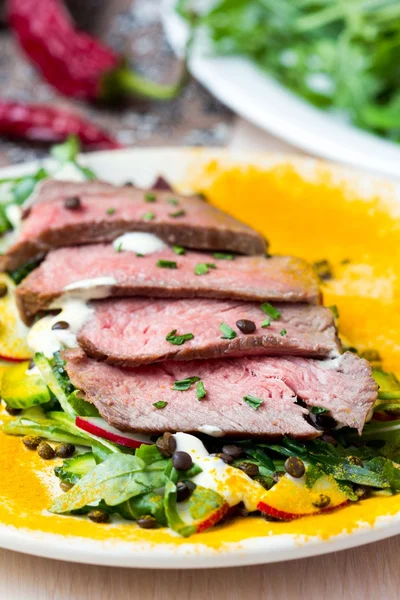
60 325
246 326
3 290
72 203
45 451
31 441
147 522
65 450
232 450
99 516
322 502
294 467
184 490
182 461
325 421
249 468
226 458
166 444
13 411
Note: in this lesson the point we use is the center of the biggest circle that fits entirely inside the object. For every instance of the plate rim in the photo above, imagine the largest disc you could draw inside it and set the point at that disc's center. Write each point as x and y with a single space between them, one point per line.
120 553
358 148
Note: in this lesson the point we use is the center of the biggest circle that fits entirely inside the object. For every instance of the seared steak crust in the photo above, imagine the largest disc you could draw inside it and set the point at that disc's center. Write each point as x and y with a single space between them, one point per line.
107 212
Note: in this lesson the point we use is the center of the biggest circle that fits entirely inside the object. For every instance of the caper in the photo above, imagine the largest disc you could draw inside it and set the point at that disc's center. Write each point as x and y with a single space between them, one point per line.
13 411
232 450
322 501
31 441
45 451
147 522
60 325
354 460
98 516
294 467
249 468
72 203
182 461
65 486
166 444
65 450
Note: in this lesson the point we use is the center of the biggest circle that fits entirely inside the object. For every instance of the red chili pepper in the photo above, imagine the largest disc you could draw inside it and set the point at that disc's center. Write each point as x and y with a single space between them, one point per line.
47 124
72 61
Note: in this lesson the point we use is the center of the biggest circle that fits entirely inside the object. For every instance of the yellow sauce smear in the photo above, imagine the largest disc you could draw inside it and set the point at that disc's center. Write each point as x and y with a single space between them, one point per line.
316 220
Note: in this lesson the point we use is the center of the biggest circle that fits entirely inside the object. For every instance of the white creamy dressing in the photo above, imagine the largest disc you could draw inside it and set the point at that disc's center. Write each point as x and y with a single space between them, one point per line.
231 483
42 338
69 172
89 289
139 242
211 430
14 215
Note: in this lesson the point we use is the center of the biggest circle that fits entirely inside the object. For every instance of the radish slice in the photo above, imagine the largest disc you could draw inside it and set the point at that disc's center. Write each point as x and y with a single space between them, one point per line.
100 427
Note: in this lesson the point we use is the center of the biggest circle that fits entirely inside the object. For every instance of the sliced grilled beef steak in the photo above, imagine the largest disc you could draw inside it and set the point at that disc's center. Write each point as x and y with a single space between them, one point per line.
105 212
133 331
99 271
125 397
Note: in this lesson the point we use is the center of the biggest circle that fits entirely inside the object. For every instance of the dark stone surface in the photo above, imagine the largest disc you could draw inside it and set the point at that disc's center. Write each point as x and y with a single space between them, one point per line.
195 118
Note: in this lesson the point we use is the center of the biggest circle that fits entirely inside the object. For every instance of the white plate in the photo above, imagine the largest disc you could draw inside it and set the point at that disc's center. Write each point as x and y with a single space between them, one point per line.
261 100
142 166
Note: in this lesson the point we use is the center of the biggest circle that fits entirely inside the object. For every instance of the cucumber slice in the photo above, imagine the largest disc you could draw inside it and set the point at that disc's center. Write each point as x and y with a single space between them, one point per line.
389 385
51 380
74 468
23 388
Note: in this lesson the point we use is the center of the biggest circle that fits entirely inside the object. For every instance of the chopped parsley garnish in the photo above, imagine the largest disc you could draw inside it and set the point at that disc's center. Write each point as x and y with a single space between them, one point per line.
323 269
266 323
150 197
178 213
167 264
227 332
203 268
270 310
160 404
184 384
179 250
173 201
223 256
253 401
119 247
200 390
110 211
139 255
149 216
318 410
283 332
178 340
335 311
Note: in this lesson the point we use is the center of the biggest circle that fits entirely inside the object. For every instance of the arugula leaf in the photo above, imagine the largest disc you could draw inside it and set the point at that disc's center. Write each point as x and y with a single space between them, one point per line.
67 151
150 503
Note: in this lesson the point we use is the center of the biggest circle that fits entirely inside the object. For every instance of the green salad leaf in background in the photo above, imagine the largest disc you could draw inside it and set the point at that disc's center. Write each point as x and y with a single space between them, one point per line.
341 55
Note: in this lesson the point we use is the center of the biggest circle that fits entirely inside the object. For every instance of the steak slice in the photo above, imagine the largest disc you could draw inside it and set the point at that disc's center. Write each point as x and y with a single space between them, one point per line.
125 397
279 278
133 331
106 212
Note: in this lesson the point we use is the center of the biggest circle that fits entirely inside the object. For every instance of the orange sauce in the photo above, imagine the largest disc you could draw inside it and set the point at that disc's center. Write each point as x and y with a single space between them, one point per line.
315 219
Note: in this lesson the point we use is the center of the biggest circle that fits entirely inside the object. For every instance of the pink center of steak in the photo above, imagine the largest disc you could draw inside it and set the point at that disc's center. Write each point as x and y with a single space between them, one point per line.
126 397
133 331
247 278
